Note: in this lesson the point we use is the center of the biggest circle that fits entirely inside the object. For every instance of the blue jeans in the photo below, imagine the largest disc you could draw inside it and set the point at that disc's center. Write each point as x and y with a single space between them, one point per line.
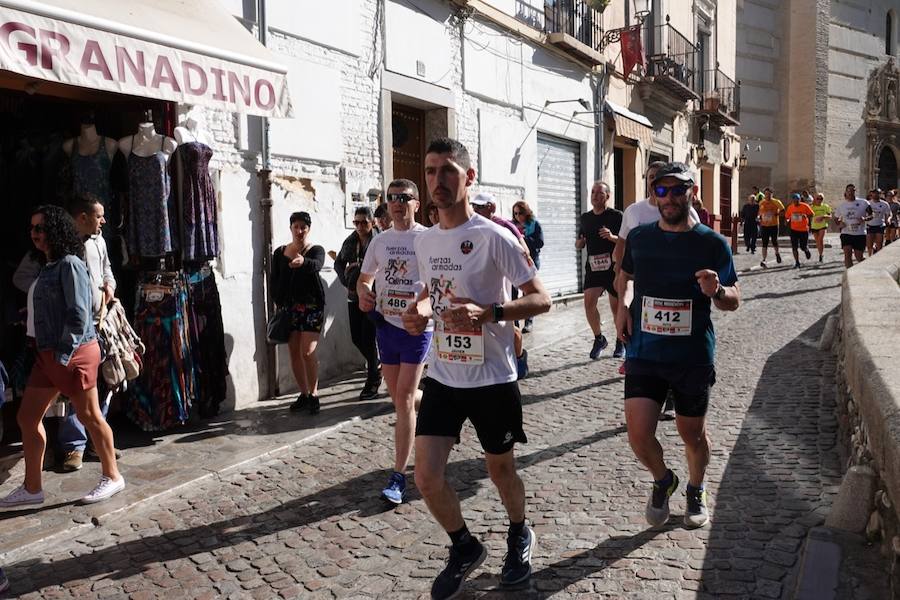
72 435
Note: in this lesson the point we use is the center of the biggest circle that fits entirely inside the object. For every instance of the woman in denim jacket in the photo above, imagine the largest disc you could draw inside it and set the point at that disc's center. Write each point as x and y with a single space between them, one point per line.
60 322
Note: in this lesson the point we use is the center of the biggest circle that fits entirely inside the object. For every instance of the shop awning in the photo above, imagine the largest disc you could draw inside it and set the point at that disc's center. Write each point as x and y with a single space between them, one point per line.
631 125
187 51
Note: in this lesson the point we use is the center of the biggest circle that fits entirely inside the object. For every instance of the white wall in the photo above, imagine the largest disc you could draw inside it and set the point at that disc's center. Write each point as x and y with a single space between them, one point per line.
418 39
337 26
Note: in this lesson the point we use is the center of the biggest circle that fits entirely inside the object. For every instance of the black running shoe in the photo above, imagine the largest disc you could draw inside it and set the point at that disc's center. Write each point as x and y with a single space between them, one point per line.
313 405
778 258
449 582
370 389
600 344
807 253
300 403
517 564
619 352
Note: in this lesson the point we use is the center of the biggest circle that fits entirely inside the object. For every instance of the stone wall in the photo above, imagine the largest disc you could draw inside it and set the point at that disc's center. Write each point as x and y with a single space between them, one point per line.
869 386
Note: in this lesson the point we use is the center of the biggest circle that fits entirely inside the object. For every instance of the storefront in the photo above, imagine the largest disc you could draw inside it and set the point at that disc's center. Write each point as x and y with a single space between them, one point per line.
90 97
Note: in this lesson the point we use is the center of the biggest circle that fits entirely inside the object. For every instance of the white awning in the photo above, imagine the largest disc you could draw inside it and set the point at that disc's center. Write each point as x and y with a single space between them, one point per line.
187 51
630 124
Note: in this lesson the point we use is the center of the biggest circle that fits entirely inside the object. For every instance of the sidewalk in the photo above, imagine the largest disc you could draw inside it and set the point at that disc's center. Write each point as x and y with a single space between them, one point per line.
157 465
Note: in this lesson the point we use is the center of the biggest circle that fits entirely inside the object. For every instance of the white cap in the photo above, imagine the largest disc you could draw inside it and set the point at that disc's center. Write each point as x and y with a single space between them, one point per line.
483 199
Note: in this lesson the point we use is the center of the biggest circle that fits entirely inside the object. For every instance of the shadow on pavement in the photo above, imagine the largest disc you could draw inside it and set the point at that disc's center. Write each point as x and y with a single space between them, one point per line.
773 487
357 495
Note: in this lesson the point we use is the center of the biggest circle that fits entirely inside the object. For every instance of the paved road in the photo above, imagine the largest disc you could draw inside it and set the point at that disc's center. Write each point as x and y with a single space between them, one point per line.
307 523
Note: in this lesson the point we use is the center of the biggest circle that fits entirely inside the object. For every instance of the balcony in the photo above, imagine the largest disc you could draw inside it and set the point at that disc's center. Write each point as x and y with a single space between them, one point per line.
571 25
720 99
671 61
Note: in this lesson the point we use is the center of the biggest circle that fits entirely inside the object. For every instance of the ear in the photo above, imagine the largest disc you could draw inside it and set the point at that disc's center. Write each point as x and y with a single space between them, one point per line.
470 176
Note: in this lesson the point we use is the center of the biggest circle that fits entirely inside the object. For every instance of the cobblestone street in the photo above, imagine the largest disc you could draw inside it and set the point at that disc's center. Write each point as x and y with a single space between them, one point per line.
308 523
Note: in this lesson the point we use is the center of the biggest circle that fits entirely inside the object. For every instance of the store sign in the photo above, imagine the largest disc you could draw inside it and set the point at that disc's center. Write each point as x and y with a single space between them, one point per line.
59 51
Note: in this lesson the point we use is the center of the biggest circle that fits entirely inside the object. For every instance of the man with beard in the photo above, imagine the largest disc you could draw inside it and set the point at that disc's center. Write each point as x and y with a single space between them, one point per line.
678 270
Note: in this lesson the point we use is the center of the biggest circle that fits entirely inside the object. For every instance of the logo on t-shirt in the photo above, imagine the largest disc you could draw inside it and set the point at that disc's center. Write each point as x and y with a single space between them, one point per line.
396 272
466 247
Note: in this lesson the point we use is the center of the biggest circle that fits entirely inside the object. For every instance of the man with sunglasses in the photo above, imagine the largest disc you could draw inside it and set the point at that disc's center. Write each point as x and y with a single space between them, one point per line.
347 264
468 264
679 270
390 265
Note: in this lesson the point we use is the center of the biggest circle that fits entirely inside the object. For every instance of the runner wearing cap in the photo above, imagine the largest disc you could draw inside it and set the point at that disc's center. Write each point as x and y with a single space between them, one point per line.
390 264
678 270
485 205
850 218
467 264
798 215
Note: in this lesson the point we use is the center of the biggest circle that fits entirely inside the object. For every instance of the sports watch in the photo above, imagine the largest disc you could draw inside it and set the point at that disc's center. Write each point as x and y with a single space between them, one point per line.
497 310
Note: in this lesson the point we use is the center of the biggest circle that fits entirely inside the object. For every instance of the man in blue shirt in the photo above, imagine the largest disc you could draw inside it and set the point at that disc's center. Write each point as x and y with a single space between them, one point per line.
679 270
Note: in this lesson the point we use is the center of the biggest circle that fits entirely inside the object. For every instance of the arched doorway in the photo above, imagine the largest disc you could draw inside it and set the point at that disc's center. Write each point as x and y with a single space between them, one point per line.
887 169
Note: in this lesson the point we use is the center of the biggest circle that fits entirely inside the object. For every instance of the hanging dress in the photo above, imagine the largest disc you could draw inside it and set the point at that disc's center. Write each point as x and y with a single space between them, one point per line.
90 173
200 234
150 213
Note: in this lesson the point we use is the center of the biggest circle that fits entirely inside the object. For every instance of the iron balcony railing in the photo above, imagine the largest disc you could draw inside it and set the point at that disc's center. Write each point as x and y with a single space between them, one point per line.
573 17
671 54
719 93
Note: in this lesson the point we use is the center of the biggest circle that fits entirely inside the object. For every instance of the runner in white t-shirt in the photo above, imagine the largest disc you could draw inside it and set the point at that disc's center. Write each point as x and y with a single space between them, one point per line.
468 264
390 264
877 217
850 216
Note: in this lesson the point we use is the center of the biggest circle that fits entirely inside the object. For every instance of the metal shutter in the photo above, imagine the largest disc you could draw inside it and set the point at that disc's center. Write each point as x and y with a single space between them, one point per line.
558 209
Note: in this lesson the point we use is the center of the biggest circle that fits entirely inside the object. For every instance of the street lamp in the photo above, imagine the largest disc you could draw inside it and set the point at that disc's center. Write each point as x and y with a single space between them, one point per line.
584 103
742 162
698 152
641 10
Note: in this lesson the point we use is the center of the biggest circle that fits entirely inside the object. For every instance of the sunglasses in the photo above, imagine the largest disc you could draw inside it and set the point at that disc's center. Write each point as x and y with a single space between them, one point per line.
37 228
677 190
402 198
358 223
518 212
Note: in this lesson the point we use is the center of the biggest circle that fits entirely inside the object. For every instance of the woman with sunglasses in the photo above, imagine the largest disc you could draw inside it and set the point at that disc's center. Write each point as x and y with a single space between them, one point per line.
531 230
60 323
297 288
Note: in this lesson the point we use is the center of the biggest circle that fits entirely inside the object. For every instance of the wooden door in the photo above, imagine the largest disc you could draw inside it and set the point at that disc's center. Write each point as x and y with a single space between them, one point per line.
408 129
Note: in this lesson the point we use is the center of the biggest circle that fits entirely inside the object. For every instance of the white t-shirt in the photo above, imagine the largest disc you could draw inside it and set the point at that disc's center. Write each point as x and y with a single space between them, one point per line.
477 260
392 259
881 213
852 213
642 212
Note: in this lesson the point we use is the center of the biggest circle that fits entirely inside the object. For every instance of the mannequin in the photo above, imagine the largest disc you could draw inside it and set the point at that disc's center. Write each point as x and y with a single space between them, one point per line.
148 228
88 141
193 129
146 142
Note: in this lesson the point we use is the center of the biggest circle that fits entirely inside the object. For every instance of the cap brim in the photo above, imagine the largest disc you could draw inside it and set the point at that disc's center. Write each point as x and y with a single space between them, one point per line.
679 176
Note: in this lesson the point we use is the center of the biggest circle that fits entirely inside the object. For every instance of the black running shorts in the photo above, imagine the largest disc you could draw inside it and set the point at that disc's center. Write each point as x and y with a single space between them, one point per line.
799 238
494 410
690 385
769 234
875 229
601 279
857 242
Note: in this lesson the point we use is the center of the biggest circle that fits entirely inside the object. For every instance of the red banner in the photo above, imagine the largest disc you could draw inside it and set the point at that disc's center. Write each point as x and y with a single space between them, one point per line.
632 49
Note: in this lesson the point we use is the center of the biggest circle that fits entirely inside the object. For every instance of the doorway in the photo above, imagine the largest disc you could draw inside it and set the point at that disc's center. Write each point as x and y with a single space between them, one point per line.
887 169
725 201
408 134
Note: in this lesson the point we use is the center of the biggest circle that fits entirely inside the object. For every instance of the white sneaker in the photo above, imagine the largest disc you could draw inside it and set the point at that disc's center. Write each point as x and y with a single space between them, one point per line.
105 489
20 497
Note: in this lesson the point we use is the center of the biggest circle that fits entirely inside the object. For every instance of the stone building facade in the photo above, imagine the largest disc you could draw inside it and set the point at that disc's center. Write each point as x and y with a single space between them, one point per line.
816 80
533 88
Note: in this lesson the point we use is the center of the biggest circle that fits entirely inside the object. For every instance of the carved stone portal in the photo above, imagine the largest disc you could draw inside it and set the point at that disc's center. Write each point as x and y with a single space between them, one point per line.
883 123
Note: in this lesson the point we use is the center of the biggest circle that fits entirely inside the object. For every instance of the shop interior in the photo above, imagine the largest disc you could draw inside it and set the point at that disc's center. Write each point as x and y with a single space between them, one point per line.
161 232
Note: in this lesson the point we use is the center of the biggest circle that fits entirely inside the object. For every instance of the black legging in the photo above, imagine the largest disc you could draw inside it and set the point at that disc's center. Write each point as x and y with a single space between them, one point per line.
751 232
362 332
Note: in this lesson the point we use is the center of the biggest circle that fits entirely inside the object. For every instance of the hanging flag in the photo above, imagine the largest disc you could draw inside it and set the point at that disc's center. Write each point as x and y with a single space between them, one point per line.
632 49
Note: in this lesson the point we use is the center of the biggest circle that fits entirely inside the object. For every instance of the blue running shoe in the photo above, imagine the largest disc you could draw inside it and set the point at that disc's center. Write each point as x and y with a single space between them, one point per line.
396 486
600 344
517 565
522 365
619 352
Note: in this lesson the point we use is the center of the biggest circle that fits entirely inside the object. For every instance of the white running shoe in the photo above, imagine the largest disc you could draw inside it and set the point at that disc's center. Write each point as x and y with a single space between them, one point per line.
107 488
21 497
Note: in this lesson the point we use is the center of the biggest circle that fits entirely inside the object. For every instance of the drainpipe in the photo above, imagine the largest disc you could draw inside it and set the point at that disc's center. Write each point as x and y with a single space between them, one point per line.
599 86
265 211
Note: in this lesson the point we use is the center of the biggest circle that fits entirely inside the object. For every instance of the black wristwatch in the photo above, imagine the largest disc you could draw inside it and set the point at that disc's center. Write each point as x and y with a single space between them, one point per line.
719 292
497 310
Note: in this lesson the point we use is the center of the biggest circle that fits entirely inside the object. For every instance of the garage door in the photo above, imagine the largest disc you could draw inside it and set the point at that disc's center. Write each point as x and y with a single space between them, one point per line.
559 206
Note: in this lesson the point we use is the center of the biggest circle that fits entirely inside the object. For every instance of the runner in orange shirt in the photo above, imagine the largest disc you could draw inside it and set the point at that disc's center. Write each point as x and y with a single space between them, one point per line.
798 215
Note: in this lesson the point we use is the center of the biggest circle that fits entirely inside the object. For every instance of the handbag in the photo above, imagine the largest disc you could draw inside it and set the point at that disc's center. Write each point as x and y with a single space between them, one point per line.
122 346
278 327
